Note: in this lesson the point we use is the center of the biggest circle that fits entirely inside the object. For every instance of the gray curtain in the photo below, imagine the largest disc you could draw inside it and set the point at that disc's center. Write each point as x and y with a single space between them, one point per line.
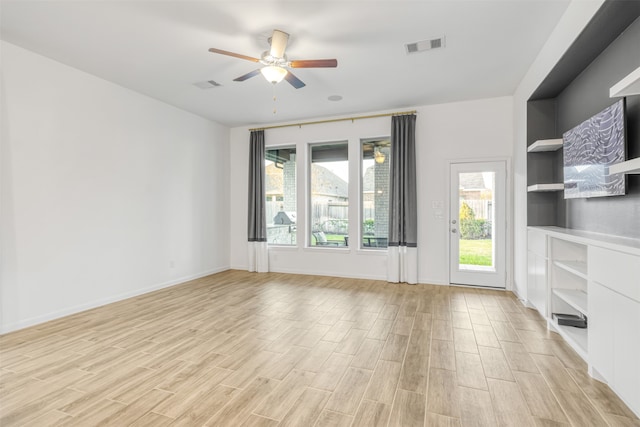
403 212
257 221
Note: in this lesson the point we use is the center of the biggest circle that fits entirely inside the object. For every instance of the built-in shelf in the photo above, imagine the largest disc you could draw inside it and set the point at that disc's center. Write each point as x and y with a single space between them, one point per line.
576 337
630 85
574 297
630 166
545 145
545 187
581 272
578 268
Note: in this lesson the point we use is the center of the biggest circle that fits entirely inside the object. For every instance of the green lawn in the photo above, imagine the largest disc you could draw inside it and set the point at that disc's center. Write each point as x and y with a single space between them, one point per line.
475 252
472 252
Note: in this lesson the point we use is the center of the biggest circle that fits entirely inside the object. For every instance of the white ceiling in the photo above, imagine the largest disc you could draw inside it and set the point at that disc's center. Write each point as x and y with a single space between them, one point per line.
161 48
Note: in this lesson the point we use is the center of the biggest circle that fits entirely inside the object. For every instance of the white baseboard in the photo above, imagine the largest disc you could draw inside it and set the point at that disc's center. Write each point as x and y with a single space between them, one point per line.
32 321
524 301
424 281
421 281
325 273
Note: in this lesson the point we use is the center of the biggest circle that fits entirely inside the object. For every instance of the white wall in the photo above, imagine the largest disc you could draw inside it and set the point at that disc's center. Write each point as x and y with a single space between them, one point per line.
462 130
575 18
105 193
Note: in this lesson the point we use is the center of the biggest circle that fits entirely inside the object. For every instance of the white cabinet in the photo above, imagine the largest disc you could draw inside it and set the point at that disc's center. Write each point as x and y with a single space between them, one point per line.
537 291
601 326
626 351
614 336
614 324
537 271
597 276
616 270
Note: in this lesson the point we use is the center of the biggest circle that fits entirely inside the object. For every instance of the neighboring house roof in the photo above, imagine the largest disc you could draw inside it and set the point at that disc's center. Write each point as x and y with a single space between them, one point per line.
472 181
327 183
273 181
324 182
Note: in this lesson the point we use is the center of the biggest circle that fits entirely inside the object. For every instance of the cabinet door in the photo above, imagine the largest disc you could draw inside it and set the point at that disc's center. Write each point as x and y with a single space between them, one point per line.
541 284
601 327
626 353
537 282
531 278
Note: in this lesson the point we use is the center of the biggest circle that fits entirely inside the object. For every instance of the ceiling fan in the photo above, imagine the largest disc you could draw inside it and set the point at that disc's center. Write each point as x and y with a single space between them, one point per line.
276 63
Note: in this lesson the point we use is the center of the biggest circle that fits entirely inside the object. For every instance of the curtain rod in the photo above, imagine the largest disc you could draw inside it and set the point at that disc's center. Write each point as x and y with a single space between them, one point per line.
336 120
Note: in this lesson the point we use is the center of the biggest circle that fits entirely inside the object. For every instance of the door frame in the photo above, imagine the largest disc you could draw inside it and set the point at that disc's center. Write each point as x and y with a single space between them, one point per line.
508 217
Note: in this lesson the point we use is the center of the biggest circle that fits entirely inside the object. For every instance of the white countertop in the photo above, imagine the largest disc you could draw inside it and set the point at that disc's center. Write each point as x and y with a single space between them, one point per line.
607 241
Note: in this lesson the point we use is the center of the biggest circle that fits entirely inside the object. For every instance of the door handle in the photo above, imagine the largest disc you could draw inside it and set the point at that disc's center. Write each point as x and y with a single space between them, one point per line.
453 230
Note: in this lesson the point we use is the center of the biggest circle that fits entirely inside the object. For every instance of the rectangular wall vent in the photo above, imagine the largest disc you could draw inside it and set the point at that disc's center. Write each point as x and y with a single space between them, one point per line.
423 45
209 84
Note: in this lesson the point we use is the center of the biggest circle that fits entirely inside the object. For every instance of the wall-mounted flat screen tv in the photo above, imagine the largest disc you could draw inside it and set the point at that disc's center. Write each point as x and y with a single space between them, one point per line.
589 149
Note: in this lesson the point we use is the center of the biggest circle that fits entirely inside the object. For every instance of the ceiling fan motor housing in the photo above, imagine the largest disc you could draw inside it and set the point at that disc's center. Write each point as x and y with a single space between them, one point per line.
276 63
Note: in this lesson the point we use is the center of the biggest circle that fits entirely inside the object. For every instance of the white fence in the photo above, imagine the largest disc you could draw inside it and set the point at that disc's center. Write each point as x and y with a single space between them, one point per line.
483 209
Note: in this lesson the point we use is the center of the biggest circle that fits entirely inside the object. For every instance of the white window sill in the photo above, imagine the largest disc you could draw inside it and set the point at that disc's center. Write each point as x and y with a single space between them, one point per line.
328 249
284 248
374 252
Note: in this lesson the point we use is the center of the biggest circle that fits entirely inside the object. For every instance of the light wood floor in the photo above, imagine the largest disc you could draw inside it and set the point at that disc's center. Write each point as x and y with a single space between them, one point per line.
263 350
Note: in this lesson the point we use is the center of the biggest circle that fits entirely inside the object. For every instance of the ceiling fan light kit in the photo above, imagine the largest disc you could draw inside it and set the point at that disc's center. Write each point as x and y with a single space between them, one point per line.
273 74
276 63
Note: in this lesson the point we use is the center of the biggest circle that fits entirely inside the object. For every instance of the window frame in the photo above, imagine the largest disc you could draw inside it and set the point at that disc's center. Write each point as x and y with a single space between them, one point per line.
297 170
361 219
309 196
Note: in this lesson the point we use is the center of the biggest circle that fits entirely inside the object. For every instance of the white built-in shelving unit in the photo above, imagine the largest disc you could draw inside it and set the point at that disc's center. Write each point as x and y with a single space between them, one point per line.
545 187
541 146
578 268
575 298
630 166
629 85
568 272
596 276
545 145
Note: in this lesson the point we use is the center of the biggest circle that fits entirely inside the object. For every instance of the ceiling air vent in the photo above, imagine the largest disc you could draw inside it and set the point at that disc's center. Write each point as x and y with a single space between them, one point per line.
423 45
209 84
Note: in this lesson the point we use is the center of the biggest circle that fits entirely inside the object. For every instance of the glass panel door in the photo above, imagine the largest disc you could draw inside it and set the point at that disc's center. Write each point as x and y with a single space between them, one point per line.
477 224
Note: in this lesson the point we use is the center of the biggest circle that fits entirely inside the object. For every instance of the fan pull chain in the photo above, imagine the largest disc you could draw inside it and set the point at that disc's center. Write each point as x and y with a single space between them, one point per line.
274 99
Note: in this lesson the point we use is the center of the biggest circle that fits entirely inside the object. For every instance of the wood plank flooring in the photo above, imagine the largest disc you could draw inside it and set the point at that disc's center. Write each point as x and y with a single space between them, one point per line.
238 348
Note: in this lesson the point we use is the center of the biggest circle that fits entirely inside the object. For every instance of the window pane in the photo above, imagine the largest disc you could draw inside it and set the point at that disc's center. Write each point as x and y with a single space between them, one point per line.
477 198
375 193
329 195
280 171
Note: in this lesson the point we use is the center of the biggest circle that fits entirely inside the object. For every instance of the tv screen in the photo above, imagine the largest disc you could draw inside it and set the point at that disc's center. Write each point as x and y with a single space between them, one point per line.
589 149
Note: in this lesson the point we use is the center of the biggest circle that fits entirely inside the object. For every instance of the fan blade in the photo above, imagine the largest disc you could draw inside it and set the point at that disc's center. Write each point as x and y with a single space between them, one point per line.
279 41
236 55
247 76
294 81
314 63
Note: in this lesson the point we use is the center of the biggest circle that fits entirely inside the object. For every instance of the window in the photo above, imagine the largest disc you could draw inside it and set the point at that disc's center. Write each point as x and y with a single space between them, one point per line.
329 209
375 193
280 183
